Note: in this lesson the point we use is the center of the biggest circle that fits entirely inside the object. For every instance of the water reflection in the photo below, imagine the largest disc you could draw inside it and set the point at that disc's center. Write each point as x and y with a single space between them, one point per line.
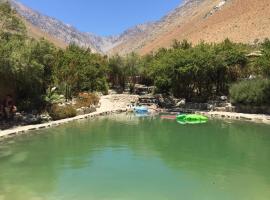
138 153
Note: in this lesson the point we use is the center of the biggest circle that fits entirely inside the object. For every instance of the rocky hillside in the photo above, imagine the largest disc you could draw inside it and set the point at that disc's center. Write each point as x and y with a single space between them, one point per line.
130 40
209 20
246 21
62 34
153 30
57 29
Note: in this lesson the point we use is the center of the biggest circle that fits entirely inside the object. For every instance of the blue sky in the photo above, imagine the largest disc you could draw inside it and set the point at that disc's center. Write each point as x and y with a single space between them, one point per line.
103 17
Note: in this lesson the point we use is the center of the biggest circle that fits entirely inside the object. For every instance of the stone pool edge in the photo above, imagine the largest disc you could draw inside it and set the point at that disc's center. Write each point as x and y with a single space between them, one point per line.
212 114
257 118
25 129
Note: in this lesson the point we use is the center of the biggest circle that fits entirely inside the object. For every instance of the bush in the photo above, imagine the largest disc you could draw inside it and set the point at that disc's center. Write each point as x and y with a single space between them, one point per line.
86 100
163 84
52 97
29 105
263 62
62 112
251 92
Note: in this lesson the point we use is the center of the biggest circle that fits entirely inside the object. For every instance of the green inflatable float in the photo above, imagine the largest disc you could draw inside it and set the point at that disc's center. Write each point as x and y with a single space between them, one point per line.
191 119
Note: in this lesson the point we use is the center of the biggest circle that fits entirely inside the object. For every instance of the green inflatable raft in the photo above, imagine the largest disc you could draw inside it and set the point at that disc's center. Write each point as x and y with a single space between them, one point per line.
191 119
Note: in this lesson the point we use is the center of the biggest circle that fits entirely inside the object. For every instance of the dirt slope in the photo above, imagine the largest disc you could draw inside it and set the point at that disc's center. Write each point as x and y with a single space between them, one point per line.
239 20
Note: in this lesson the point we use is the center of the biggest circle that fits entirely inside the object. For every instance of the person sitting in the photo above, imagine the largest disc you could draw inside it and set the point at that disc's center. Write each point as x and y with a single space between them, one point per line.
9 107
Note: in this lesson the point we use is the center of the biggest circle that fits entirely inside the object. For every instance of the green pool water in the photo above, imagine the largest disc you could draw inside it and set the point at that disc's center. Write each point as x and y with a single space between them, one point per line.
123 157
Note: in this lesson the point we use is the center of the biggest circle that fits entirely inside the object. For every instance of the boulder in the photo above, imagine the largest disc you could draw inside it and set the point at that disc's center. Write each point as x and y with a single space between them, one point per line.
223 98
32 119
230 108
89 110
45 117
181 103
80 111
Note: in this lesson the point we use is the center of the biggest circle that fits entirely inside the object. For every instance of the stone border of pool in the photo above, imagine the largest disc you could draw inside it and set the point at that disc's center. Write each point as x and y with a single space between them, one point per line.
24 129
257 118
212 114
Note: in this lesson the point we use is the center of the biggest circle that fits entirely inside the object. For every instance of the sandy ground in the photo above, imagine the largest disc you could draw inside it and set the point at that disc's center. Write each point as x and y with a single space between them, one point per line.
116 101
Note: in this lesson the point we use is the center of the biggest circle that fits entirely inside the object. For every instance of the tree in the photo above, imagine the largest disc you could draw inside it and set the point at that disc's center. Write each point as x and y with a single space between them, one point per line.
117 71
263 62
132 62
200 72
21 73
9 22
78 69
184 44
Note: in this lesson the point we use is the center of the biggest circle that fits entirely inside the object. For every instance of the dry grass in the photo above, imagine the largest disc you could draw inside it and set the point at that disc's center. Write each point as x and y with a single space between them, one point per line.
86 100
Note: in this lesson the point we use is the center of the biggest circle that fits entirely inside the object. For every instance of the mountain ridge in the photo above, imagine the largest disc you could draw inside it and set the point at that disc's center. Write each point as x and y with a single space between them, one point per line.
69 34
194 20
244 21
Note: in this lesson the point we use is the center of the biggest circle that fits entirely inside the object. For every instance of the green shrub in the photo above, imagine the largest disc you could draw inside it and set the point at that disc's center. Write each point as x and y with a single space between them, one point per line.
263 62
28 105
62 112
52 97
251 92
163 84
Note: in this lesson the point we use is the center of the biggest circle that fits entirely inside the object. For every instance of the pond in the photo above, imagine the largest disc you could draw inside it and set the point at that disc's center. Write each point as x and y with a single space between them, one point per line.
124 157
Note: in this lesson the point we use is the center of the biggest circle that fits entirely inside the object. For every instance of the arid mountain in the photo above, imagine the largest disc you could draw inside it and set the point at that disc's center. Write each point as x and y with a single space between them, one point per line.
62 34
153 30
246 21
195 20
130 40
56 29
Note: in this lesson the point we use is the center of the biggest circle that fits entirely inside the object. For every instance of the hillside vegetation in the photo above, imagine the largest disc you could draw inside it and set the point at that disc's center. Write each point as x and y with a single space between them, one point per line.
31 68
